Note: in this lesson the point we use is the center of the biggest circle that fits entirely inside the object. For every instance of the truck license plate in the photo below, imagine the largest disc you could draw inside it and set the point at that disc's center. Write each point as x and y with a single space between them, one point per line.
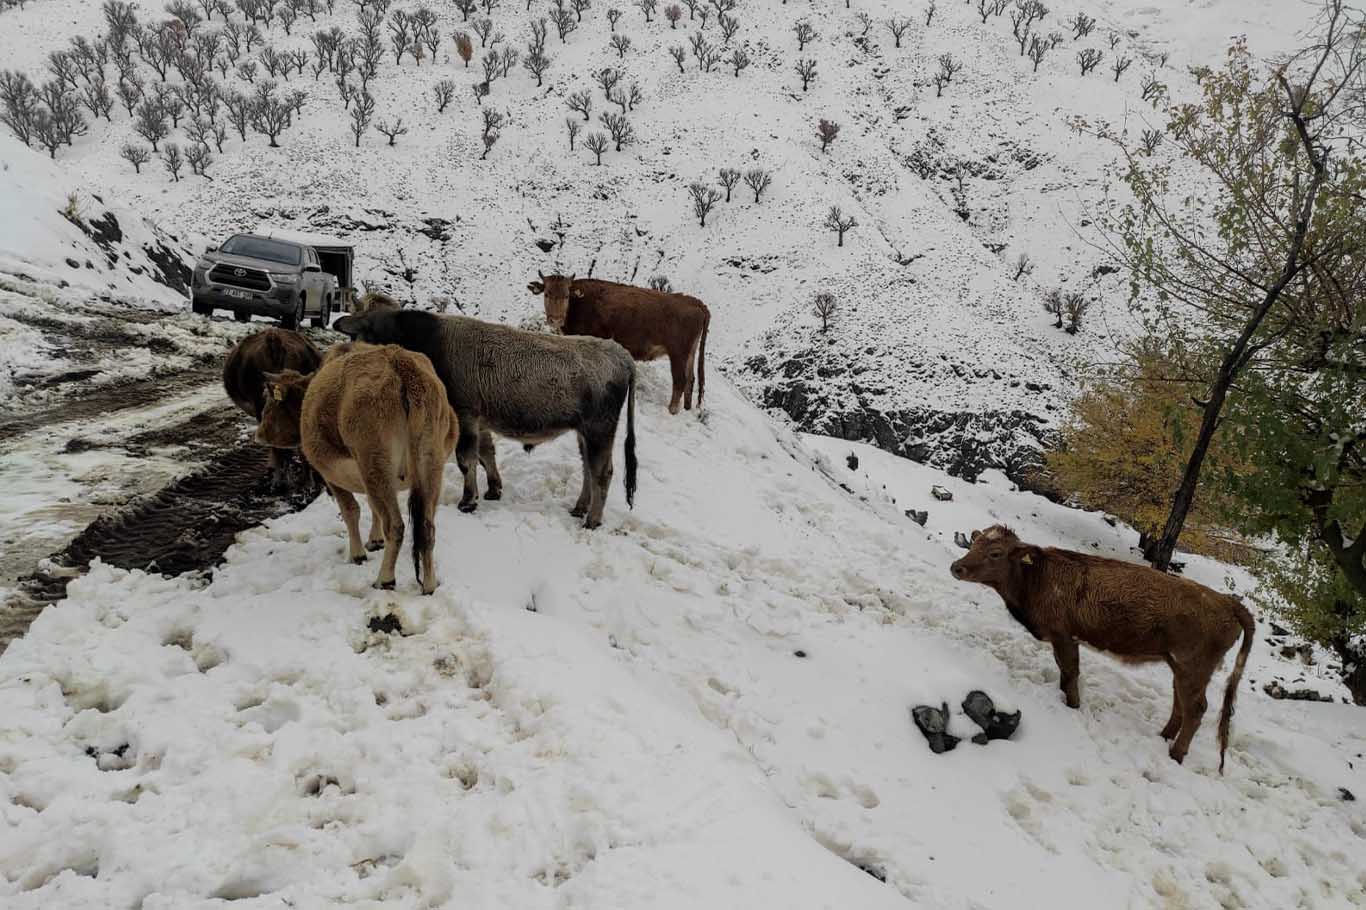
243 295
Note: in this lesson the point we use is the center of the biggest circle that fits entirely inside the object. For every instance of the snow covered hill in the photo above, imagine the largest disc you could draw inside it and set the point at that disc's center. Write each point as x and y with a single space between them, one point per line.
934 352
702 704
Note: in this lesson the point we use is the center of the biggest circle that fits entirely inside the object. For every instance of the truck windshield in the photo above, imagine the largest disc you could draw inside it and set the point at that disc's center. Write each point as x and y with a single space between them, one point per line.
261 248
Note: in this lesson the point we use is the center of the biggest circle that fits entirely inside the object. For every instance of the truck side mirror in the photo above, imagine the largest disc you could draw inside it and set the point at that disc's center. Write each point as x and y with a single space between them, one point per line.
210 249
310 267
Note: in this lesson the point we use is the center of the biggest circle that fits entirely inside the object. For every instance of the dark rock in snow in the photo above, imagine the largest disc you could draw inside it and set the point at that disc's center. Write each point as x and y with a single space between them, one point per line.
852 461
918 516
934 724
799 653
995 724
1278 691
388 624
962 540
1347 796
941 494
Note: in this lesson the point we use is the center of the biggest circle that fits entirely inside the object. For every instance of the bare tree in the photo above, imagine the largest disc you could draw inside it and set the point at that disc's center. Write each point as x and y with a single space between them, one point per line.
704 198
1038 49
1114 39
739 59
948 68
483 28
442 93
826 131
173 160
1119 65
572 126
579 7
673 12
647 7
678 54
607 78
361 112
729 25
393 129
597 144
198 157
136 155
613 16
929 13
621 44
839 222
805 35
728 177
466 7
806 69
580 102
493 122
270 114
1081 25
1089 59
1053 305
898 27
537 63
1075 306
758 180
619 128
150 123
824 307
866 21
1153 89
1024 265
564 22
1150 141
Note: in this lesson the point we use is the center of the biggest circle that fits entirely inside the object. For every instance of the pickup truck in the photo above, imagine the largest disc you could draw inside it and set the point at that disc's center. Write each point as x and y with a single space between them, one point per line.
255 275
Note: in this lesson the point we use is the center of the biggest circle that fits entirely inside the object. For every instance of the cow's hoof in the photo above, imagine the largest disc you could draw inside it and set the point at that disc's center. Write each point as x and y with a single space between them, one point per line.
1178 757
1170 733
590 524
468 506
383 586
358 560
373 545
673 409
493 494
579 511
1073 703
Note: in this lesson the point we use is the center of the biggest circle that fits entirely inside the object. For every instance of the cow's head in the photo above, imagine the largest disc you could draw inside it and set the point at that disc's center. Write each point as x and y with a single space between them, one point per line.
376 302
995 557
557 290
374 327
279 426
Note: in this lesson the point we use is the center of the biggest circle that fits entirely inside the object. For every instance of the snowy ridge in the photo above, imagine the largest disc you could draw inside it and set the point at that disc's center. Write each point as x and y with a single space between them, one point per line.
620 718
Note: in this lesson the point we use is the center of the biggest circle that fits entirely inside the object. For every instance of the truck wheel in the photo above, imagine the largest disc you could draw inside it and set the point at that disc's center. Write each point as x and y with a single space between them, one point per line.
241 315
293 319
325 315
200 309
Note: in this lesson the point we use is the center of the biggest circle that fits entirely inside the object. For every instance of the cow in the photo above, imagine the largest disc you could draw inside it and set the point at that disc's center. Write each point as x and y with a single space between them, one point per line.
528 386
1134 612
374 302
371 420
647 323
267 351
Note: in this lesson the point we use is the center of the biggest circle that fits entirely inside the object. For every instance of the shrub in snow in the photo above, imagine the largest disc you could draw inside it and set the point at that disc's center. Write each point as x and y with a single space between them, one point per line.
613 16
839 222
484 28
173 160
393 129
621 44
607 78
136 155
738 58
805 35
660 283
824 307
1053 306
729 26
678 54
826 131
581 102
198 157
728 177
806 69
572 126
1024 265
1150 141
1119 65
948 68
536 63
361 112
1075 307
150 123
705 52
1081 25
442 93
620 129
1089 59
704 198
625 98
493 122
758 180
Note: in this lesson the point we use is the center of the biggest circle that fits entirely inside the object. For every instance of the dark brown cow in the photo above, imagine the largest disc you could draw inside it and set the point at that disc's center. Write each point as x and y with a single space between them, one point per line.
268 351
1136 613
649 324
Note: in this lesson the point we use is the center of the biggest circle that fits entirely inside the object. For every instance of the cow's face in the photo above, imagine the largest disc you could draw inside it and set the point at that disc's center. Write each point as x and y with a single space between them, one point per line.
557 290
374 327
989 560
279 426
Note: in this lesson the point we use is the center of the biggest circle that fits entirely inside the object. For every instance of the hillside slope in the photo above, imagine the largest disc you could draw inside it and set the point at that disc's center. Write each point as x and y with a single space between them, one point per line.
935 352
703 704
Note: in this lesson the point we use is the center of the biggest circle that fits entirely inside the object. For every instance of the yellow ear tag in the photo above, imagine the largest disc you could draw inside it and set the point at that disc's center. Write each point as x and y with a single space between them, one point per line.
1027 559
276 393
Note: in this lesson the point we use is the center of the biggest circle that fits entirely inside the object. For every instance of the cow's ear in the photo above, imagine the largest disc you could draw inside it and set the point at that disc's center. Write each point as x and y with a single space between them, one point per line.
577 292
536 287
975 535
1025 555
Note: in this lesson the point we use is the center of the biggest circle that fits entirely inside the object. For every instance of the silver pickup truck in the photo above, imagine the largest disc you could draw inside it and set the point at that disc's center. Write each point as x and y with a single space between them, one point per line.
252 275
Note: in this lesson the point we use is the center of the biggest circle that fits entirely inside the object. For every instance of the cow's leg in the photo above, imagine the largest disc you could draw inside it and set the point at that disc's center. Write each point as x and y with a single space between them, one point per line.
1069 665
279 470
488 457
678 366
378 476
467 457
350 511
1173 726
1192 682
690 370
424 496
376 539
598 461
586 492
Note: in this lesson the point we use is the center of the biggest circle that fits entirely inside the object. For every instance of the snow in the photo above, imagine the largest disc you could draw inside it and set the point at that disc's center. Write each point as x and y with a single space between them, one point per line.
647 736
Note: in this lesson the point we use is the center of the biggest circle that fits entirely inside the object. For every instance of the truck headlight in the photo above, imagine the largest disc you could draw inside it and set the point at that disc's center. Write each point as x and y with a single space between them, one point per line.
287 278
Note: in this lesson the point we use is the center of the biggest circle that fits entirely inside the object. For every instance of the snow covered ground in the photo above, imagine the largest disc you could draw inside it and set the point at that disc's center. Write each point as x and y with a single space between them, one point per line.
703 704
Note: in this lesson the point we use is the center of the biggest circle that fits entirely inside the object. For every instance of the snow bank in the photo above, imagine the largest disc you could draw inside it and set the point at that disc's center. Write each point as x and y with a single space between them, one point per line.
621 718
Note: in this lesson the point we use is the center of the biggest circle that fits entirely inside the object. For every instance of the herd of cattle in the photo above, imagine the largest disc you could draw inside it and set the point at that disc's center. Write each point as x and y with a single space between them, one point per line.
384 411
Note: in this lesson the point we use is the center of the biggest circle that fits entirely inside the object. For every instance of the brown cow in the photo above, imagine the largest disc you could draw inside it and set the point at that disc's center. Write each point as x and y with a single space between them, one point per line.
372 420
649 324
267 351
375 302
1136 613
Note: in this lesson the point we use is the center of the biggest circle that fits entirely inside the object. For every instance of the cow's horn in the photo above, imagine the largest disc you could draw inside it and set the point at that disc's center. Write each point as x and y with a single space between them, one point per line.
539 275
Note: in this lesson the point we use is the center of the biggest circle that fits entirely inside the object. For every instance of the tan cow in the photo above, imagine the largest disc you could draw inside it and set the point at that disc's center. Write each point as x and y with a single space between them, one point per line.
1136 613
371 420
649 324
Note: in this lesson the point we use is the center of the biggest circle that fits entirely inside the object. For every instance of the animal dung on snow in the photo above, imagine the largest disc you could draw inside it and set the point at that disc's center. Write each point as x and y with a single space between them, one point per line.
995 724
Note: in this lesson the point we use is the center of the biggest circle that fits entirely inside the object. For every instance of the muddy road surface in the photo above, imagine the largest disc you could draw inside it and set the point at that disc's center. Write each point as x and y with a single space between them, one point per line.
150 469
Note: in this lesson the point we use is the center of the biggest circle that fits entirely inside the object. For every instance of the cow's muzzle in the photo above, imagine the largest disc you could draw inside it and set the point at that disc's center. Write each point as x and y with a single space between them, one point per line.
957 570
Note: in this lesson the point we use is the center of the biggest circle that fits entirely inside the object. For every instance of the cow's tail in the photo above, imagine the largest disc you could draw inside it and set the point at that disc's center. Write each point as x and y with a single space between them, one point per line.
423 447
702 361
1244 616
631 440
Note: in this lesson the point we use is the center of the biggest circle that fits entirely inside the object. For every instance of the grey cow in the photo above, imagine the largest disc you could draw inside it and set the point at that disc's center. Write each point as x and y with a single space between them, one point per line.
524 385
